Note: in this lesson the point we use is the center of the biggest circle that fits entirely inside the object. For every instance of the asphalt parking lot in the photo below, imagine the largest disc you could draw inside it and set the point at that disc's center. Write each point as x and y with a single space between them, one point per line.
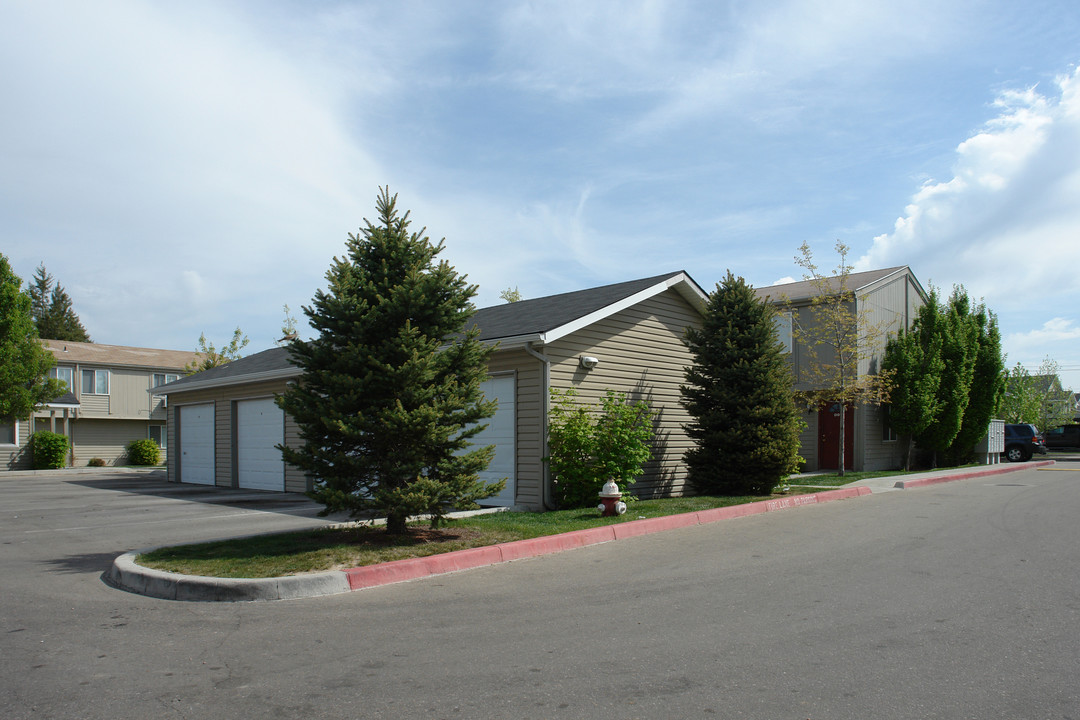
953 600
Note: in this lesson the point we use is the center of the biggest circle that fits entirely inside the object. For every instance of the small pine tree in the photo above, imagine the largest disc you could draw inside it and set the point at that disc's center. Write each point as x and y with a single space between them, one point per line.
740 393
390 393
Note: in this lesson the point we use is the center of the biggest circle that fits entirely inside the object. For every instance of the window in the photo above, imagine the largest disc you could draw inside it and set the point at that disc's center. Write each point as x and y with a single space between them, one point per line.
157 434
95 382
9 433
887 432
64 374
782 323
164 378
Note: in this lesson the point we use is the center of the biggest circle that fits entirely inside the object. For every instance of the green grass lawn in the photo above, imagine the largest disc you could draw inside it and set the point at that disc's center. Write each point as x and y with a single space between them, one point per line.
834 480
335 548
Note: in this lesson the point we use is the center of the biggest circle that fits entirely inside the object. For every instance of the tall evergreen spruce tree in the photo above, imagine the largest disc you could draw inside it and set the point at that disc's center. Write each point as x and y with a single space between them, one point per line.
740 393
52 310
390 393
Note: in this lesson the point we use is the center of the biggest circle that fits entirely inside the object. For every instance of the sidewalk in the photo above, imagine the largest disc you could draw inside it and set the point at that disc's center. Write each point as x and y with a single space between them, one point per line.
125 574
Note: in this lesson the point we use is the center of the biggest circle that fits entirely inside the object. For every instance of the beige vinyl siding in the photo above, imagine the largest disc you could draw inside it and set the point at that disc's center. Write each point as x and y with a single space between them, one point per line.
94 406
104 438
884 311
878 454
128 393
17 456
808 439
641 353
295 478
889 308
157 407
224 458
529 424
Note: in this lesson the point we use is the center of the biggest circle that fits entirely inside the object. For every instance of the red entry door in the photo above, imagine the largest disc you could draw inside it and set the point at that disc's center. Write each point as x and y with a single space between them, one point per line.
829 437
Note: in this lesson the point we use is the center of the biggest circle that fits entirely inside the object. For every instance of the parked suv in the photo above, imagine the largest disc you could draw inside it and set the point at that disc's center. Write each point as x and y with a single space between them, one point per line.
1067 436
1022 441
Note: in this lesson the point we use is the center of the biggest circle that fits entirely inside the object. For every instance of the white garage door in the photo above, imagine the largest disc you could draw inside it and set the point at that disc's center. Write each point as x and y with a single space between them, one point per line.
260 426
197 444
500 433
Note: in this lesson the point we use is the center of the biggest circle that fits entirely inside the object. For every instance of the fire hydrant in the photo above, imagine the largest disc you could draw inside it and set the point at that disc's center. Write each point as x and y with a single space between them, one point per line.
610 504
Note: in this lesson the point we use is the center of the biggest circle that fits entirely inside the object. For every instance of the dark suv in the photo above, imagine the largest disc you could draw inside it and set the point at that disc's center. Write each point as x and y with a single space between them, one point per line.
1022 441
1067 436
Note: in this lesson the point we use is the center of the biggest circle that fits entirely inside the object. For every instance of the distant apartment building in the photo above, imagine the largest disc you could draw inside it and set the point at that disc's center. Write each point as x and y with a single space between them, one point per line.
109 402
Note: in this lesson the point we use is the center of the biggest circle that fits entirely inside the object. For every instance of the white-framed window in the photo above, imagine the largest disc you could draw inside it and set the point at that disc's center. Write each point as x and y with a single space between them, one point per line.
157 434
64 374
887 432
95 382
163 378
9 432
782 323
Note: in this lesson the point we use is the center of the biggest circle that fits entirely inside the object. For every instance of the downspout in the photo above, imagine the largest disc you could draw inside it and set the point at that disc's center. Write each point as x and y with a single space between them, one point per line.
545 401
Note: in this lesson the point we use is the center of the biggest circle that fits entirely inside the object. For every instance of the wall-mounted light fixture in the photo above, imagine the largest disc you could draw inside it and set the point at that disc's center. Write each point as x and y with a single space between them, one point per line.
588 362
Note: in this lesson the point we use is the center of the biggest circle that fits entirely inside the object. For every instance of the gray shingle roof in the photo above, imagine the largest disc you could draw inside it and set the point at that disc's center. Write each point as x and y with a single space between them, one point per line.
806 289
522 318
541 315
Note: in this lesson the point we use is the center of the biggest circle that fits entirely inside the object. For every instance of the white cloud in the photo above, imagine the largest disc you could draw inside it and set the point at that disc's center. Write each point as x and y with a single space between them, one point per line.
154 139
1006 225
1044 340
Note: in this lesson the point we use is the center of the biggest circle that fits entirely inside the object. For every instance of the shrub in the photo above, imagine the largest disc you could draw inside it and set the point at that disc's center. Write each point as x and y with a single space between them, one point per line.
96 462
587 451
143 452
50 450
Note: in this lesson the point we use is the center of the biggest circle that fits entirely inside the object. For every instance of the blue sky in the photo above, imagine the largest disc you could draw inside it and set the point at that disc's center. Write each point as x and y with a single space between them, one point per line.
190 167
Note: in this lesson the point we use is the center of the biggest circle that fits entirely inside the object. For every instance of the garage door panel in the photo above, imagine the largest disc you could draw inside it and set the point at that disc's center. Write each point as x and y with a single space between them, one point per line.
500 433
197 444
260 427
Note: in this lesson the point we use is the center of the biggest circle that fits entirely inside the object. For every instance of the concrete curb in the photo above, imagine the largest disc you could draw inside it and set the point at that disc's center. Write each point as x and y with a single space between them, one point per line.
997 470
126 575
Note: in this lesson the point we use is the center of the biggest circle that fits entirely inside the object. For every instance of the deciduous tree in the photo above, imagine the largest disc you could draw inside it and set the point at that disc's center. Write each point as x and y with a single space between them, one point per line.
24 360
211 357
916 375
839 338
955 326
987 383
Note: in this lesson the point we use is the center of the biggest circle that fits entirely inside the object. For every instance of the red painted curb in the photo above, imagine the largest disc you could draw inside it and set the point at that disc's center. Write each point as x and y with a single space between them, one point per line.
386 573
463 559
413 568
909 484
548 544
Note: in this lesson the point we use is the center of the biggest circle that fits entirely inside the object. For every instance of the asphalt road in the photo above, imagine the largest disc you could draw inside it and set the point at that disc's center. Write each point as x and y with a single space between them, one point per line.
959 600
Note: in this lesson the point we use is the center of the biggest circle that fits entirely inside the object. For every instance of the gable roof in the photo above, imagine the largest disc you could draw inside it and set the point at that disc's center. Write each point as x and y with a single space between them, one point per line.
858 283
546 319
539 320
97 354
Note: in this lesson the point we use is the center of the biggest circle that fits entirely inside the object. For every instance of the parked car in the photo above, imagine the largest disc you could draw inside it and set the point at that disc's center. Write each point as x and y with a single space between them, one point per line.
1067 436
1022 441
